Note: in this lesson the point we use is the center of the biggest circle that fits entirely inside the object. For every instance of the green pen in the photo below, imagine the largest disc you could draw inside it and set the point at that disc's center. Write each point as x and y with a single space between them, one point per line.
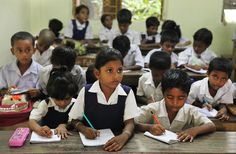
88 121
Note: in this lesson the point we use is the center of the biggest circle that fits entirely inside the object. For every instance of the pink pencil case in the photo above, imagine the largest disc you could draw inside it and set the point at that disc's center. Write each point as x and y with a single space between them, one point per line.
18 137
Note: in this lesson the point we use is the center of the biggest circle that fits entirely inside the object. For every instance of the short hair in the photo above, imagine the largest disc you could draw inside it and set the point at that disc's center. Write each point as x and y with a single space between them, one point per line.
106 55
22 35
61 84
90 77
171 25
221 64
80 7
55 26
175 78
121 43
46 37
152 21
204 35
103 18
63 56
124 16
169 36
160 61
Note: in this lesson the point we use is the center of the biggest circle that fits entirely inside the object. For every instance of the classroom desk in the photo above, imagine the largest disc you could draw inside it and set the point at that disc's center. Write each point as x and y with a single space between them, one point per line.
229 125
218 142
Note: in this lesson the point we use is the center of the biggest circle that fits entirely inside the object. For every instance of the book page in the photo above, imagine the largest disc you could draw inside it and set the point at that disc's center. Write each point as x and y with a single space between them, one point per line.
168 137
105 135
208 113
35 138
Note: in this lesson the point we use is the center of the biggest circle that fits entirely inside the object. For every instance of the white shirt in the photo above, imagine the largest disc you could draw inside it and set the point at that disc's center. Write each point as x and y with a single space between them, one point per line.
147 88
130 104
76 71
199 90
188 116
44 58
189 56
42 109
69 29
150 37
10 75
106 34
134 57
173 56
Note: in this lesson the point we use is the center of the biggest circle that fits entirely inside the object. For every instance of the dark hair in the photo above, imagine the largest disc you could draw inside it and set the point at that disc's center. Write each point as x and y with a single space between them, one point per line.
61 84
80 7
175 78
160 60
103 18
90 77
124 16
221 64
171 25
106 55
152 21
169 36
204 35
22 36
122 44
63 56
55 26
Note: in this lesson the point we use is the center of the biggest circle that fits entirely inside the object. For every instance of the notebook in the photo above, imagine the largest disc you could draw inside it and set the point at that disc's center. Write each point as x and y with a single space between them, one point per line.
168 137
105 135
35 138
208 113
201 71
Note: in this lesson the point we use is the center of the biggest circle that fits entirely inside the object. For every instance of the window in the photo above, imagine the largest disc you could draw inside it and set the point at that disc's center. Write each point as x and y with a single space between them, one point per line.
229 11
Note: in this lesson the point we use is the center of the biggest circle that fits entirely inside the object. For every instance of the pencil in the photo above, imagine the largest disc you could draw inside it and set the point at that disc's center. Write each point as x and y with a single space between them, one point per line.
155 118
88 121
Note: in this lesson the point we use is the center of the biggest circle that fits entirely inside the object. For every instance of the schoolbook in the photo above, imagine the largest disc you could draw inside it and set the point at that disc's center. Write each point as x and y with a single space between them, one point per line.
168 137
105 135
35 138
208 113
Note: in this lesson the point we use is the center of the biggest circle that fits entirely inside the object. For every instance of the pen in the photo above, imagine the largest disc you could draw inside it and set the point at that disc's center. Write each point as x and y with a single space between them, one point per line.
88 121
155 118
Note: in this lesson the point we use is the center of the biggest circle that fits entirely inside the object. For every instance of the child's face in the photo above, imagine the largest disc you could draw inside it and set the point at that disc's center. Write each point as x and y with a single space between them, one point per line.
110 75
108 22
157 75
62 103
23 50
123 27
152 30
83 15
217 79
174 99
199 47
168 47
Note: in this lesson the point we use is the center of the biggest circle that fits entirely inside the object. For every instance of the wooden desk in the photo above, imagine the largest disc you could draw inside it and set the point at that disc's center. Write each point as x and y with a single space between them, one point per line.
85 60
218 142
229 125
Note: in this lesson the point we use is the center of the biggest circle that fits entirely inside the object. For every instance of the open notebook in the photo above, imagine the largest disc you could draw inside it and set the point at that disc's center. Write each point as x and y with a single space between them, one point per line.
168 137
35 138
105 135
201 71
208 113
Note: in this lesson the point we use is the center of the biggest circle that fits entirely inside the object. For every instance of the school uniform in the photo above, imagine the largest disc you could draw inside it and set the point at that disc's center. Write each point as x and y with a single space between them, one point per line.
133 57
200 91
188 116
146 87
189 57
106 34
44 58
48 113
78 31
173 56
121 106
150 38
76 71
10 75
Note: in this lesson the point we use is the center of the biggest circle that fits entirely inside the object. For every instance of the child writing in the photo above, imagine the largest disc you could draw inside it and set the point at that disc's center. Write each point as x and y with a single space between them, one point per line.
79 28
216 90
132 56
149 85
44 47
173 112
107 32
199 56
52 113
106 103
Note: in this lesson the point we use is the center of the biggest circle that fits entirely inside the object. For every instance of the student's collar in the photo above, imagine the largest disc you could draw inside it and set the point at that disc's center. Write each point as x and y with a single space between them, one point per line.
149 80
204 86
180 115
32 68
79 24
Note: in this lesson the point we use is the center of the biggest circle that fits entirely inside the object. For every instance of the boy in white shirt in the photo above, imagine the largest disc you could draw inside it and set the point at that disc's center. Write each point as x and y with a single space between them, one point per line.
216 90
132 57
107 32
199 56
149 86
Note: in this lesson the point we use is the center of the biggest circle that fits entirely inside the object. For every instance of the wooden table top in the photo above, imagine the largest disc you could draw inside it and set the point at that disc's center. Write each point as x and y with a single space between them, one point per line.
218 142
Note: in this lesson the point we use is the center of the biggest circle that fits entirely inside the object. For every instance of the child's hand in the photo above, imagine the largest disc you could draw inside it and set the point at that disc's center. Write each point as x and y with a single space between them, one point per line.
157 129
208 106
62 131
44 131
90 133
186 135
116 143
34 92
222 114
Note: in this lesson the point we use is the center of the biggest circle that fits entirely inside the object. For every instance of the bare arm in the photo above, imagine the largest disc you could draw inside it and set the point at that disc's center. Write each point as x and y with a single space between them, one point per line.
42 131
